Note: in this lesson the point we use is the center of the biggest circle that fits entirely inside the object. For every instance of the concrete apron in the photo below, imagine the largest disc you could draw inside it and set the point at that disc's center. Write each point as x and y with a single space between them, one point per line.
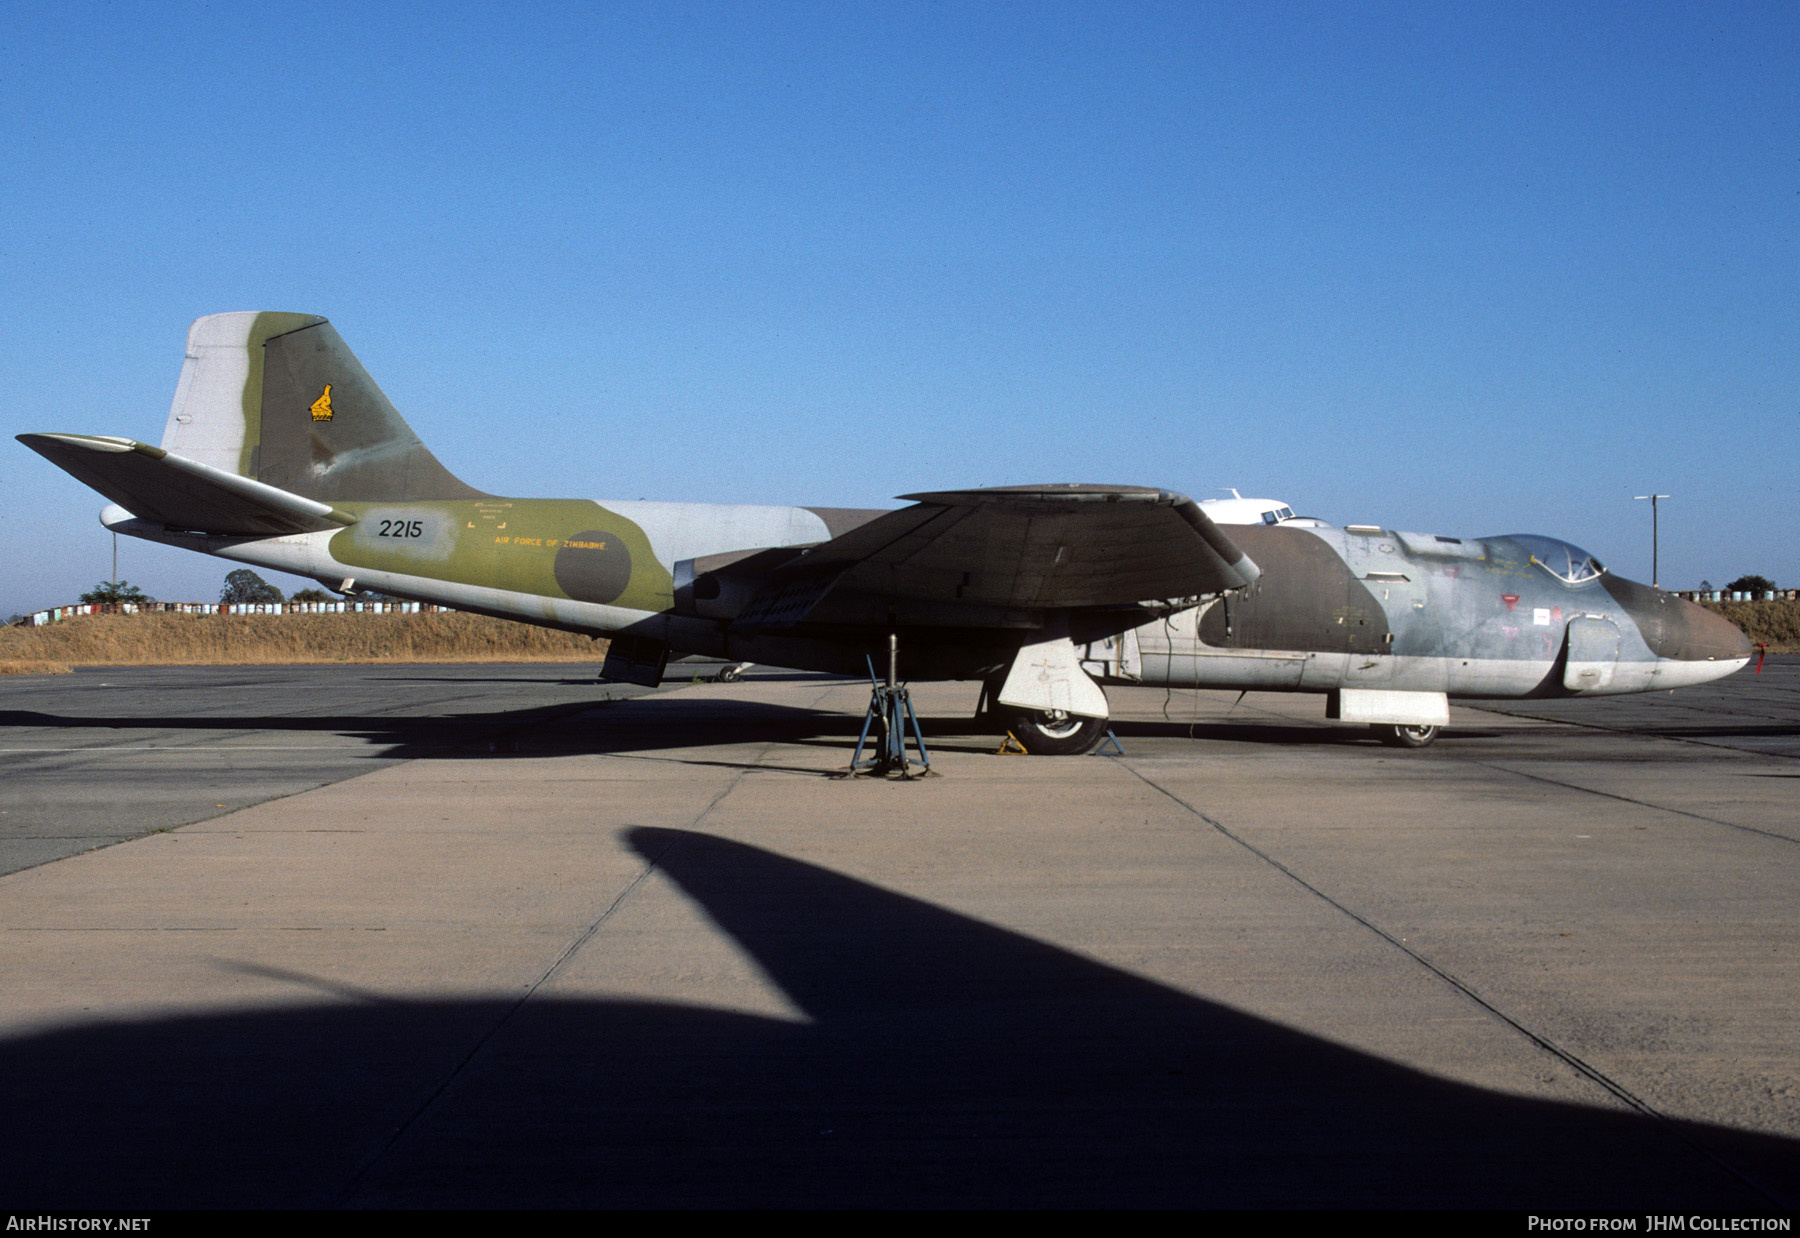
1256 974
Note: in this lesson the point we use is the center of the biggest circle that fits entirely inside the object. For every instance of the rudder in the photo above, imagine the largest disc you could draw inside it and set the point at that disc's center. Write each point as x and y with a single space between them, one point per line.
281 398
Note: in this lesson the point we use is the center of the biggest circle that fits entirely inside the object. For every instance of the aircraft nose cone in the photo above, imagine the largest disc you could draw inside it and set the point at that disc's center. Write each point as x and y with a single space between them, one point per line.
1690 633
1714 637
1679 630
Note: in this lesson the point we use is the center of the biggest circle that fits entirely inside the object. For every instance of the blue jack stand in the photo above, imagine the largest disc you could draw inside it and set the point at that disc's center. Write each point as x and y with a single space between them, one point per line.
890 715
1110 739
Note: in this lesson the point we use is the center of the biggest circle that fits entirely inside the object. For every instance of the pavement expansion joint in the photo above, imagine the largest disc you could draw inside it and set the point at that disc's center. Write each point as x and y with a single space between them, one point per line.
1543 1042
568 952
1626 799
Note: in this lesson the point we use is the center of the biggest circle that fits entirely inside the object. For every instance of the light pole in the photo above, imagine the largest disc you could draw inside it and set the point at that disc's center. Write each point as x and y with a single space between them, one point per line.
1653 532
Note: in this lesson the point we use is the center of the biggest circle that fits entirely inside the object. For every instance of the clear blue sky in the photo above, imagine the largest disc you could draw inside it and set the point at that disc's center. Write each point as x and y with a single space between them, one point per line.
1460 269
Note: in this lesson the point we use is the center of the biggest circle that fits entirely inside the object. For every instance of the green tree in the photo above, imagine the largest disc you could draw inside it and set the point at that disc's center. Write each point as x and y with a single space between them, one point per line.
115 591
1752 584
312 595
245 587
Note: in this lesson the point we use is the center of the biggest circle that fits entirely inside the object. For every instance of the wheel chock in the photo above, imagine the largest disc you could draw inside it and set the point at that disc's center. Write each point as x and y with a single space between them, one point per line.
1011 747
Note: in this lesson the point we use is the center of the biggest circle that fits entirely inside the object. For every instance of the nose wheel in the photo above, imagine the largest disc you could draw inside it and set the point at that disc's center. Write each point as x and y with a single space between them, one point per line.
1400 736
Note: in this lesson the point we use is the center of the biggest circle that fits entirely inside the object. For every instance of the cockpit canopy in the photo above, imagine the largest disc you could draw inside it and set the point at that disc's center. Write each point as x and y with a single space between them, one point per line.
1239 510
1570 564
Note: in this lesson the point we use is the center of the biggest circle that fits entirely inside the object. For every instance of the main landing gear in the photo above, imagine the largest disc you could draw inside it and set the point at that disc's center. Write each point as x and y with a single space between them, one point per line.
1055 734
1042 733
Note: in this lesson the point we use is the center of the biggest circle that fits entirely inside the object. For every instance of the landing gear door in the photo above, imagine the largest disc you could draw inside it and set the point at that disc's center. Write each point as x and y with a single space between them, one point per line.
1047 677
1115 657
1591 653
635 659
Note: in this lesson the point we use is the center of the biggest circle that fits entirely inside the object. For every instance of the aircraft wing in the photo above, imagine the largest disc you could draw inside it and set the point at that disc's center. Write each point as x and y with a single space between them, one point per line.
1017 547
172 490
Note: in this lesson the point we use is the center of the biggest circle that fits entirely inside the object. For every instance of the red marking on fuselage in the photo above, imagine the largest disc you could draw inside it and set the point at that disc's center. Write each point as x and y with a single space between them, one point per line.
1511 600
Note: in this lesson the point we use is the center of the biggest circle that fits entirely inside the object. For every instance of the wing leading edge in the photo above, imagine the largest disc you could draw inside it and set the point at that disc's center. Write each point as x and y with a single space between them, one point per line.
1016 548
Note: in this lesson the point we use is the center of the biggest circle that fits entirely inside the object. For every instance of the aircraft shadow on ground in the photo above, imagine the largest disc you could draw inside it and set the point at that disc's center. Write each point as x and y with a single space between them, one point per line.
591 680
1733 727
559 681
1722 731
643 724
1276 733
393 737
943 1061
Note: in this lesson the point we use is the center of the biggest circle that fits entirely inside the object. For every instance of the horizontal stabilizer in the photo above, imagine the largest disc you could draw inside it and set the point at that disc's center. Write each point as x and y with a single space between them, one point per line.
179 493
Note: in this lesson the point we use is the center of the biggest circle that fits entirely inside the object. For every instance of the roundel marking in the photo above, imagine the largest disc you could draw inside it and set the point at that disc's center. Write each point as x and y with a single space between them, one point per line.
593 566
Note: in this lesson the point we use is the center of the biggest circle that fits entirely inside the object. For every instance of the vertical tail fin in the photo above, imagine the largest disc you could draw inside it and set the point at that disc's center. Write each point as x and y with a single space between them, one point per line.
280 398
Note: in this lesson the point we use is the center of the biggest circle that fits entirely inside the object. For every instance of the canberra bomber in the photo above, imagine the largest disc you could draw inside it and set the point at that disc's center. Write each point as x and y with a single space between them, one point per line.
280 451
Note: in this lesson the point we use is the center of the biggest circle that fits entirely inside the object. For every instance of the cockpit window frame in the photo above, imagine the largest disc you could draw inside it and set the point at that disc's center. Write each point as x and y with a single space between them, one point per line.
1579 566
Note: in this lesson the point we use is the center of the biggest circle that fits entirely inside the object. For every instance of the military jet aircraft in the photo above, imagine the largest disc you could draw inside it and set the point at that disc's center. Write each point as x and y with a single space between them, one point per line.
280 451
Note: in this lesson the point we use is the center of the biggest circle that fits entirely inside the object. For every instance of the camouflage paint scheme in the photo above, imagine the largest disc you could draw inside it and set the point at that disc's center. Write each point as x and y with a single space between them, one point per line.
570 548
281 451
1376 608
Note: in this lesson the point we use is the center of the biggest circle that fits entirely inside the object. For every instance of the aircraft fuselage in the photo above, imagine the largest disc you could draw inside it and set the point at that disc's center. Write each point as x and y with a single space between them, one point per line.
1335 608
281 451
1378 609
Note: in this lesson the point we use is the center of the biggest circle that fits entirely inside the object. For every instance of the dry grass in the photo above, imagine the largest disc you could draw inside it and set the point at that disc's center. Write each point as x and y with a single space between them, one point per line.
215 640
1776 623
20 666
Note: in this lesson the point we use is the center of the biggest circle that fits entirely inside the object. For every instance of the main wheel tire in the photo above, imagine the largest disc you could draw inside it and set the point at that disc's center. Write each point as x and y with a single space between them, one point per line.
1057 734
1401 736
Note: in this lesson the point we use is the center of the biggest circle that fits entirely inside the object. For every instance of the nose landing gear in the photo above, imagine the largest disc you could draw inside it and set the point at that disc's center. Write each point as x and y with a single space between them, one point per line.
1402 736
